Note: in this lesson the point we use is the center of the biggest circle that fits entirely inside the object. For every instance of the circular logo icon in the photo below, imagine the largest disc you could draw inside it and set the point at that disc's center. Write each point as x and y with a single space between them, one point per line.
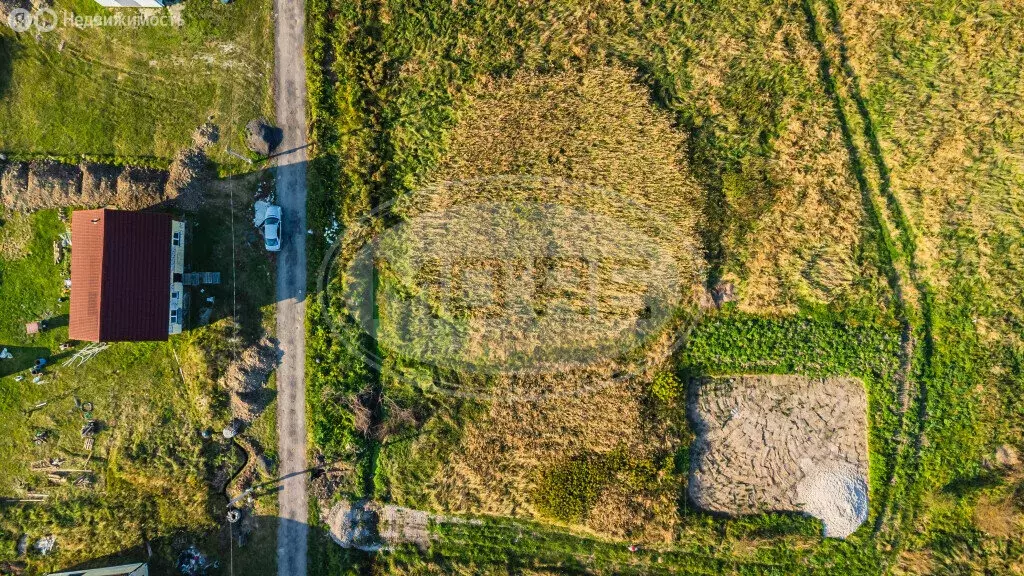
20 20
46 20
513 278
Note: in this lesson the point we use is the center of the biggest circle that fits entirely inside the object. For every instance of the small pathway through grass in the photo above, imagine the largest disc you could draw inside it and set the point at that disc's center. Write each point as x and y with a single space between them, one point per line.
290 101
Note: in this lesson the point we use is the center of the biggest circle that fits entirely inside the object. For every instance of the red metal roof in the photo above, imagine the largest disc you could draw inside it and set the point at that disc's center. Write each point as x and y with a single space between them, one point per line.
120 275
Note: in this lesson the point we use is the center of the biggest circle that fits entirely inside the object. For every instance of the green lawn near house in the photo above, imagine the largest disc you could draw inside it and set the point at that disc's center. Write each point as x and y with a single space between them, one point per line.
135 94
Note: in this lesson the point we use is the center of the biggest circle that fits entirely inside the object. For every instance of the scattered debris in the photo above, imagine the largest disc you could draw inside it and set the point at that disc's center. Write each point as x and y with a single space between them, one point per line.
5 355
86 354
192 562
45 544
22 547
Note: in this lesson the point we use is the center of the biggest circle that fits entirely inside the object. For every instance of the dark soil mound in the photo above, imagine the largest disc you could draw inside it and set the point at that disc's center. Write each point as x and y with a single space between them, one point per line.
52 184
139 188
14 185
99 184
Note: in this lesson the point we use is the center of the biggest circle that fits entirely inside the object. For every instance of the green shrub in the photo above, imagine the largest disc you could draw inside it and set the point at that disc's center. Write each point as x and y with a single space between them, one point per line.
569 490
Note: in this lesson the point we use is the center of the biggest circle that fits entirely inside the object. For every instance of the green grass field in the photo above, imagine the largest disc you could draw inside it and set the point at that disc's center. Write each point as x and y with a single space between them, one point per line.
861 176
135 94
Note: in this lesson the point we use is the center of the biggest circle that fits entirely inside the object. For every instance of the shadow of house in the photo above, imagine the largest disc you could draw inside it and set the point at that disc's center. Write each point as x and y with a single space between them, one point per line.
24 358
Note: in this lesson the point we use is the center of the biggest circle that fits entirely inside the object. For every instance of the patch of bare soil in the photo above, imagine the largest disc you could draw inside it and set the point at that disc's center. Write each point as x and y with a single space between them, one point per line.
253 367
52 184
246 377
139 188
99 183
187 179
773 443
13 183
329 479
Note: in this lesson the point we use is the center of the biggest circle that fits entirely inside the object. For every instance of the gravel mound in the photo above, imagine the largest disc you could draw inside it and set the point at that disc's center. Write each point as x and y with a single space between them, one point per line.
837 494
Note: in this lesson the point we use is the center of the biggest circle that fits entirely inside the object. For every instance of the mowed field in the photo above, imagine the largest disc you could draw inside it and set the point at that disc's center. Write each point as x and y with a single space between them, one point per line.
152 482
858 172
135 93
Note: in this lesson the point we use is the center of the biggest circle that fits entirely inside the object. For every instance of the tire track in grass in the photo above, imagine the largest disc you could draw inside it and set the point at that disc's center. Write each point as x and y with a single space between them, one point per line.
908 244
898 255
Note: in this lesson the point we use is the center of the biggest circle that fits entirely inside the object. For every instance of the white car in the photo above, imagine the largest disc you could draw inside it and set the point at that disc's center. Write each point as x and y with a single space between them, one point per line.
272 229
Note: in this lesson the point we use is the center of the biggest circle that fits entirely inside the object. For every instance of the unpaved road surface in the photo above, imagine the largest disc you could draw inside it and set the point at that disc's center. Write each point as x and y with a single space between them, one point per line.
290 100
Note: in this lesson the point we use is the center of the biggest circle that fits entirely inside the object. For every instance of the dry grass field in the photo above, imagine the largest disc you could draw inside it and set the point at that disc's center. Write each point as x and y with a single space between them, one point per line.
855 170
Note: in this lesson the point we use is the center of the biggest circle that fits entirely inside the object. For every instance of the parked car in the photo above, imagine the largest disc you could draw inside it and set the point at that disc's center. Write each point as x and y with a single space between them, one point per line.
272 229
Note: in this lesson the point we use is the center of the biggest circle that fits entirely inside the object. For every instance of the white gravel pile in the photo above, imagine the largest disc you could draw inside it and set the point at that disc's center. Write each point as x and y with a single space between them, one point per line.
837 494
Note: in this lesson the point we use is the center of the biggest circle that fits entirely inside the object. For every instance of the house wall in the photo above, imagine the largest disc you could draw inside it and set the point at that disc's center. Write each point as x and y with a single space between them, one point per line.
176 312
124 570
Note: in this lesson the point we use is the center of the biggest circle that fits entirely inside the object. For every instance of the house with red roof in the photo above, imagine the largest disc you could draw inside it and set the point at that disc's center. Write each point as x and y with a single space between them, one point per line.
126 276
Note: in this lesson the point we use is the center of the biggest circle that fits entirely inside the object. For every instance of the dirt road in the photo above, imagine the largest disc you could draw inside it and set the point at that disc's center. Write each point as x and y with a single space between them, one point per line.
290 100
